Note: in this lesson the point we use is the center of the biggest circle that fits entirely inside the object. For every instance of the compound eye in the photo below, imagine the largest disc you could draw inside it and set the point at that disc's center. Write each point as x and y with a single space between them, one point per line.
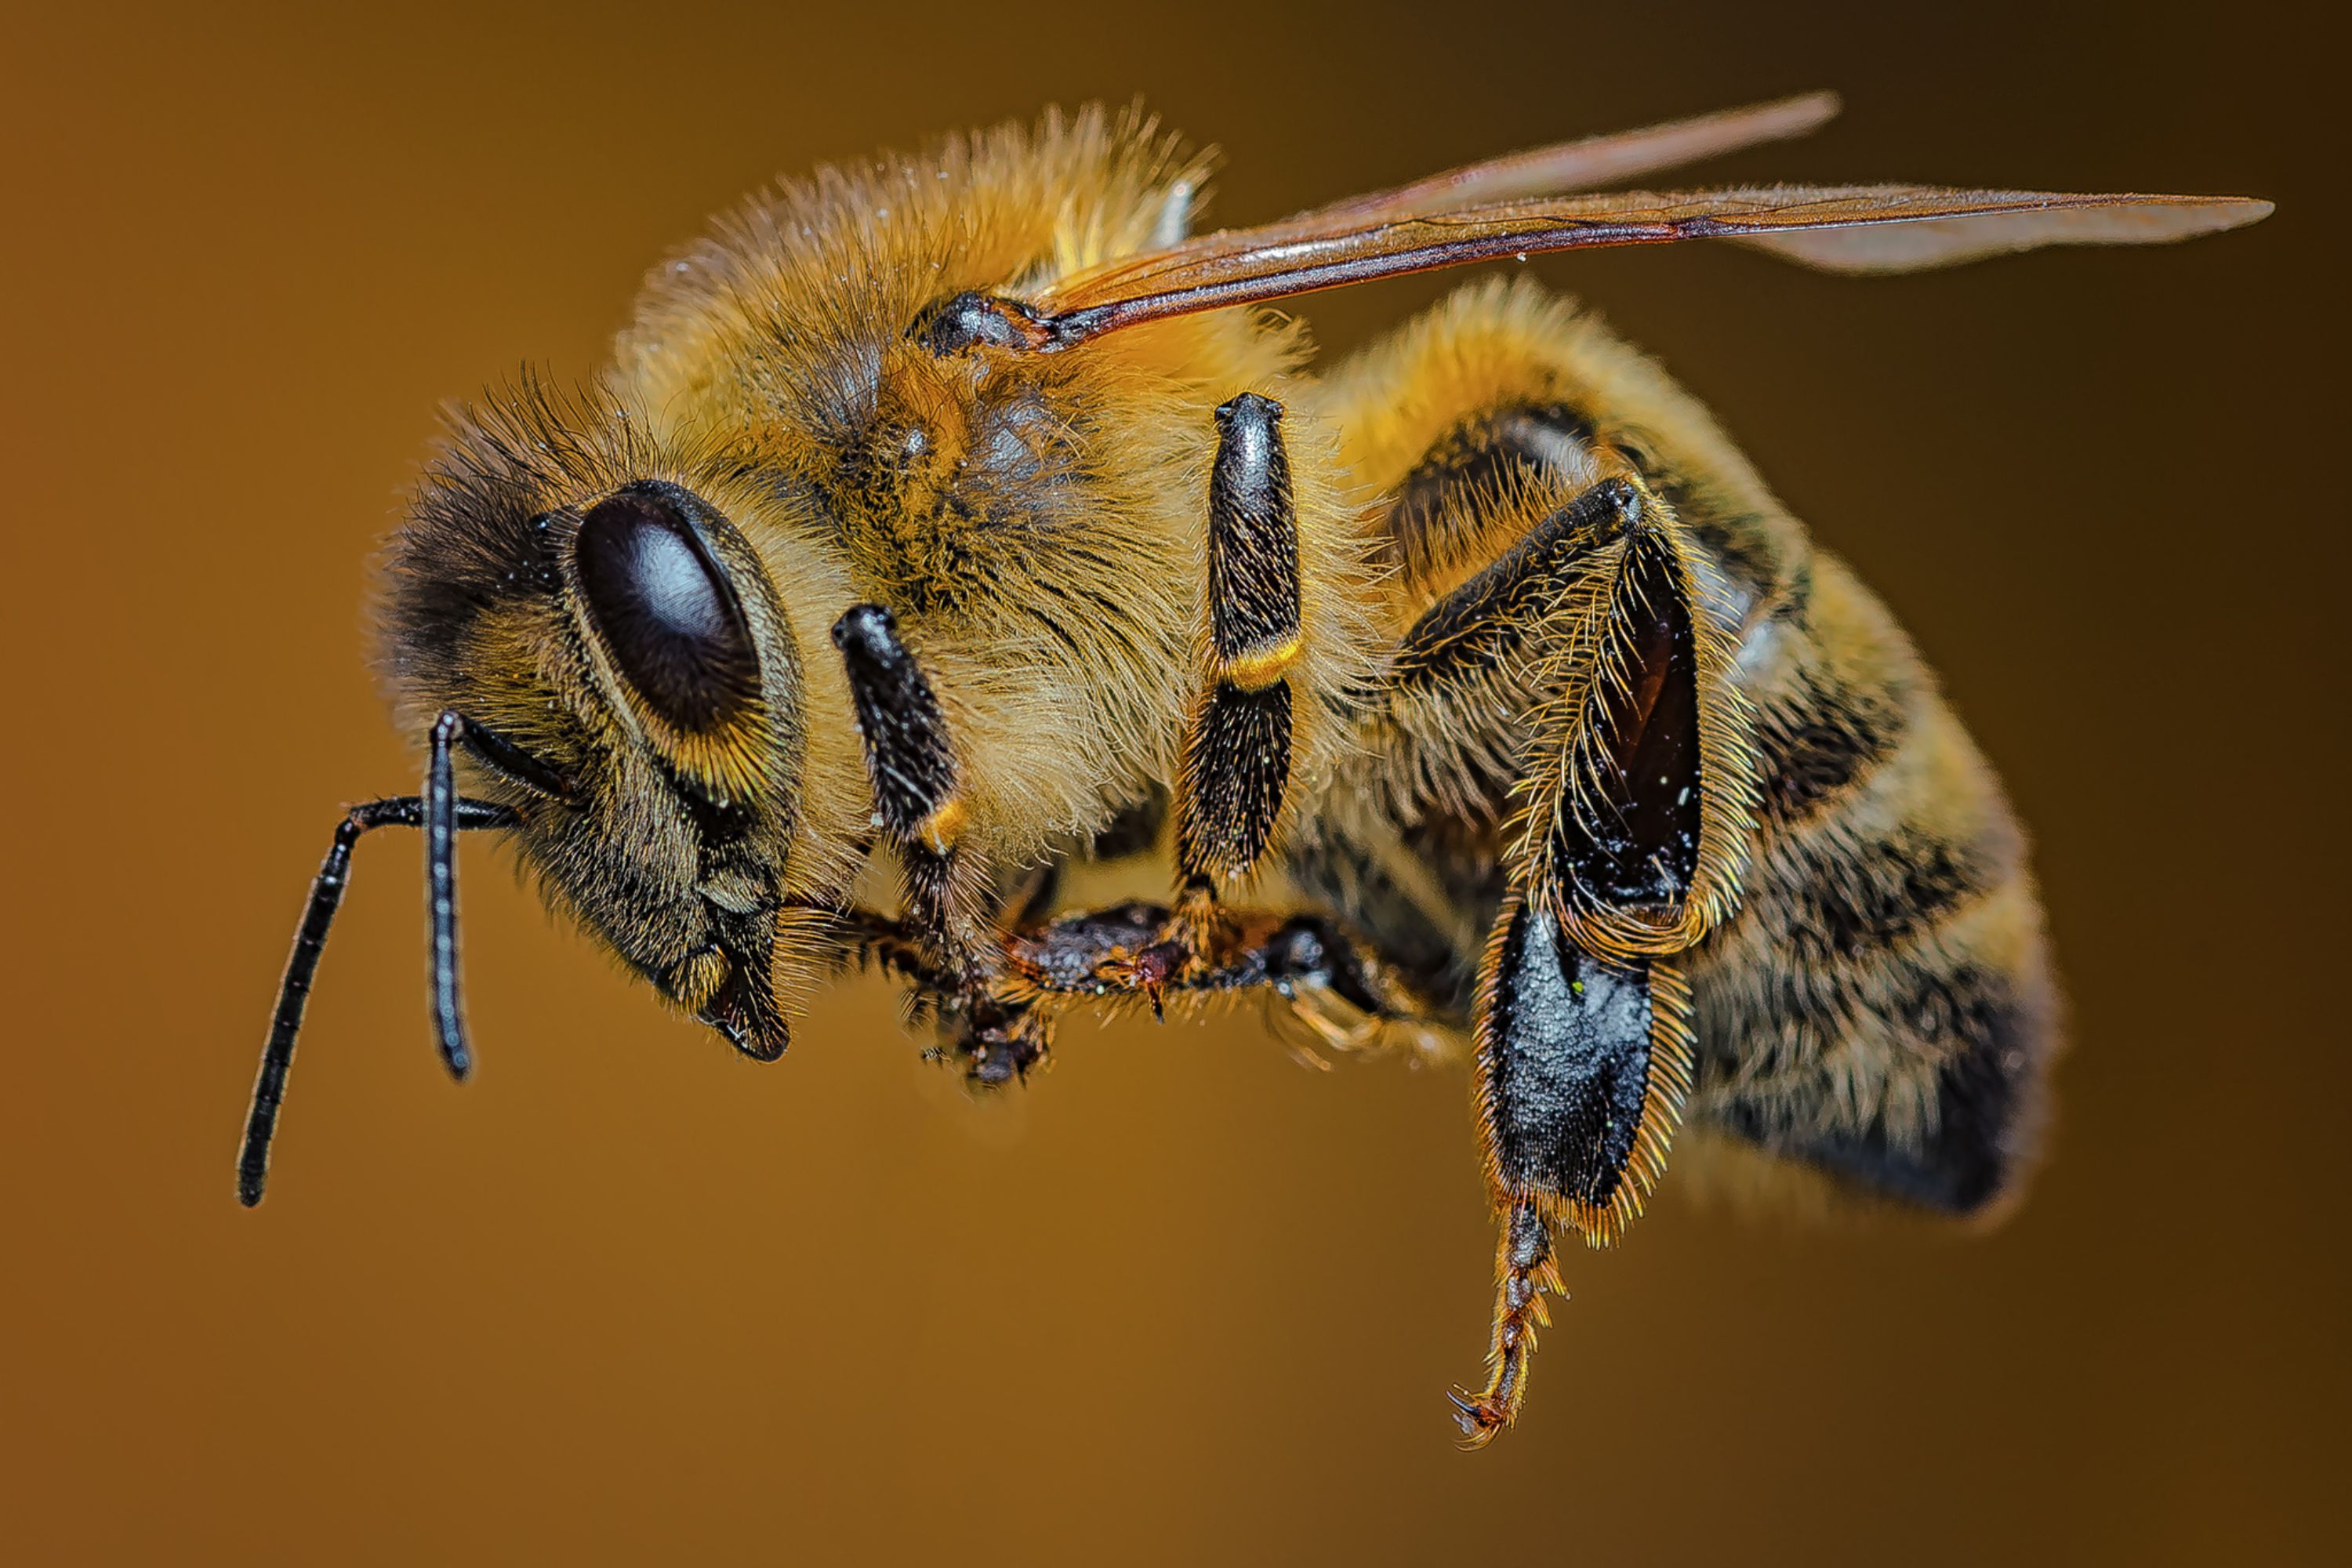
664 605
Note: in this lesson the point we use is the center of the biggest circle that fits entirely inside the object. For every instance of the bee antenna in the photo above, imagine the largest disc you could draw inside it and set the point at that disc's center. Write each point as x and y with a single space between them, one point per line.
443 813
441 892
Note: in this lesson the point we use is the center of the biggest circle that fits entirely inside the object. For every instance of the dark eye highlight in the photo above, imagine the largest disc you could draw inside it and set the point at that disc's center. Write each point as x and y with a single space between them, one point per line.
664 607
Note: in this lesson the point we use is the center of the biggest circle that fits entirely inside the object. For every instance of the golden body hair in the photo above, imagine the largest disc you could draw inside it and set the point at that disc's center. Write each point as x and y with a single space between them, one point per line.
1038 524
951 554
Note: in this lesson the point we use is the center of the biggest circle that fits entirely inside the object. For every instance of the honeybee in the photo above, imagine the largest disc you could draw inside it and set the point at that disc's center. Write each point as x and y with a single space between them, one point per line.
954 529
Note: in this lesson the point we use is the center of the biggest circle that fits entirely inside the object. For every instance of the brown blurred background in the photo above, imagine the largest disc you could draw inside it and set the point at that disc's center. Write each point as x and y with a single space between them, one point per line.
626 1298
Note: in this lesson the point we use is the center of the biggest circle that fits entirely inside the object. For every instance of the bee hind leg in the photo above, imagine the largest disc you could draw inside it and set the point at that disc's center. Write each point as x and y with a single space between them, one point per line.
1581 1068
1584 648
1524 1270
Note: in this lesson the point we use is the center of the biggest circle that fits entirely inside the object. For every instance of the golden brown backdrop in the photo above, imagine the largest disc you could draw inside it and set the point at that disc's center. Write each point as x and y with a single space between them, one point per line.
627 1298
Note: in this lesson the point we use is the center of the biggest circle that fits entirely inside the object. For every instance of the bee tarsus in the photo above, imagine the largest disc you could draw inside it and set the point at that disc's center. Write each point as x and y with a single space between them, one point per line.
1524 1272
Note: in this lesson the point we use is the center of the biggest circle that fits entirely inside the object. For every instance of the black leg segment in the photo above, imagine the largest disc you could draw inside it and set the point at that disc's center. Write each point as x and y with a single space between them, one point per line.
1237 761
1564 1066
743 1009
1641 789
908 753
1582 1068
1236 768
911 760
1634 763
1252 544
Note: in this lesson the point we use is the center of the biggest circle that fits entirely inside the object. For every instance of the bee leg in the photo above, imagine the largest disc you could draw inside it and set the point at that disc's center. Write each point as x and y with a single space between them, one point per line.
1236 762
1642 808
911 760
1496 622
1524 1270
1588 647
1468 699
990 1014
1343 989
1582 1066
1582 1038
1349 995
1326 973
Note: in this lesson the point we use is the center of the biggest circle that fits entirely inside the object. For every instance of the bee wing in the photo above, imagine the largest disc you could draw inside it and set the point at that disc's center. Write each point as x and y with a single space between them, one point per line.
1562 168
1554 170
1845 228
2010 221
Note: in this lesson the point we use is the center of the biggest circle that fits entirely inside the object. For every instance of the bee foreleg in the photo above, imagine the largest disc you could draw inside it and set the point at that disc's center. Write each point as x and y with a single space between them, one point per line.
987 1013
1236 762
910 762
1582 1066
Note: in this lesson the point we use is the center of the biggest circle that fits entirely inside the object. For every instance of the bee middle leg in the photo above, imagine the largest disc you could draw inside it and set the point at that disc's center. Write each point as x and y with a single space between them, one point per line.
1236 761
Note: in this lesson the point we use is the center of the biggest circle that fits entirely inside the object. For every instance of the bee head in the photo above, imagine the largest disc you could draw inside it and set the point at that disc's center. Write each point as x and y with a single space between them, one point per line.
628 684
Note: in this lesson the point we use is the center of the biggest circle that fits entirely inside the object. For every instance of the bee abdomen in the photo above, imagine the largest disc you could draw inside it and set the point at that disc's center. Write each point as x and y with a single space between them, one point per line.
1882 1007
